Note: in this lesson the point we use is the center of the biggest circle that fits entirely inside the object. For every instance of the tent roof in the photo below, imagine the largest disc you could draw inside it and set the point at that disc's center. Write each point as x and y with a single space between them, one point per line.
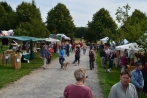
24 38
51 40
130 46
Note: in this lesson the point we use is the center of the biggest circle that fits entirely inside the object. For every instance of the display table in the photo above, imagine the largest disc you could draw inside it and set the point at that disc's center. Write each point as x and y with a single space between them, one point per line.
25 56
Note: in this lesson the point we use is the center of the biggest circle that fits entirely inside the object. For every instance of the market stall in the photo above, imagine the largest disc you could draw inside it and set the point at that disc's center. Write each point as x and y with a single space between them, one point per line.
16 49
132 49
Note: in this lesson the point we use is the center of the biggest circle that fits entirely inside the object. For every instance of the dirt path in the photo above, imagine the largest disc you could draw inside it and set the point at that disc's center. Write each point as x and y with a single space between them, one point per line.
50 83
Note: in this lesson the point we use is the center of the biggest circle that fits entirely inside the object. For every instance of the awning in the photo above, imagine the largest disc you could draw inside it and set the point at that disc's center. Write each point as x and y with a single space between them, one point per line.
23 38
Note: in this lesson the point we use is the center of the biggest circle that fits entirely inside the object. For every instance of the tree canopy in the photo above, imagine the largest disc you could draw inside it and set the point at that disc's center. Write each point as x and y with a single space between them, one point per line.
100 24
7 16
30 21
59 20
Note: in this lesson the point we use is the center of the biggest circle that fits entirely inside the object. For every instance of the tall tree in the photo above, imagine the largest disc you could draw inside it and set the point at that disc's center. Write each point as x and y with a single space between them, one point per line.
80 32
7 17
30 22
101 22
59 20
122 14
134 27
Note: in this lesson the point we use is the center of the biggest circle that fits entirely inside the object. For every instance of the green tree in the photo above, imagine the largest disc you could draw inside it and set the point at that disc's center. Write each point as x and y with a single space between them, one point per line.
101 22
122 14
134 27
80 32
30 22
7 17
59 20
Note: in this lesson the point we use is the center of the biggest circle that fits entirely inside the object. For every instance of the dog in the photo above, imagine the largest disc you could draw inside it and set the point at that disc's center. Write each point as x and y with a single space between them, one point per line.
65 65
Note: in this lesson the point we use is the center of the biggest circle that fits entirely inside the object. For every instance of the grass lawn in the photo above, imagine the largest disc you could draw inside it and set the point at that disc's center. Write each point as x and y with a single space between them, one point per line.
108 79
77 40
9 75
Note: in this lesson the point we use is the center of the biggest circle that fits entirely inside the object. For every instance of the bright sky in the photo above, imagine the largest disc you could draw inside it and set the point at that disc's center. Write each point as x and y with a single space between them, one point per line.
82 10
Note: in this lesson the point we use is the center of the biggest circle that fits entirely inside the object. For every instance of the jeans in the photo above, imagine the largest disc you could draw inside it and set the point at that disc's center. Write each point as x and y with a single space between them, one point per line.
84 51
110 63
49 59
77 59
61 60
103 61
44 62
91 64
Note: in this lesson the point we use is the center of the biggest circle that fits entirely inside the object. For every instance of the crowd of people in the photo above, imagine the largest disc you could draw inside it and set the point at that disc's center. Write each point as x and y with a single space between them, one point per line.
122 59
138 77
77 90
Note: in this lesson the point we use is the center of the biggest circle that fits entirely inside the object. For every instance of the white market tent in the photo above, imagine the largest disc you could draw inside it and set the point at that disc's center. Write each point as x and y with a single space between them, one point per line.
64 36
51 40
130 46
105 39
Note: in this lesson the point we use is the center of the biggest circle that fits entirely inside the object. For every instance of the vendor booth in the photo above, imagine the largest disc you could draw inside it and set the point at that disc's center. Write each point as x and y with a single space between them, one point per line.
130 46
15 48
132 50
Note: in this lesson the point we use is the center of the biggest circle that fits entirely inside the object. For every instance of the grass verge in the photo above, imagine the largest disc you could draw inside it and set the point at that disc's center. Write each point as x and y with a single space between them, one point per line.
9 75
108 79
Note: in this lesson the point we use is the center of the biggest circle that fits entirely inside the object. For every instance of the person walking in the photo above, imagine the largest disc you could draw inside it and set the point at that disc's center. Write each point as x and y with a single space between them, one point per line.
84 48
77 55
50 57
91 59
111 58
102 55
61 56
78 89
67 49
137 79
123 89
123 62
73 46
44 54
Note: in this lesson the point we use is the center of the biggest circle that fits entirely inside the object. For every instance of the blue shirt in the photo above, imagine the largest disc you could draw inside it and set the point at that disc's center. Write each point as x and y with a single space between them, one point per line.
137 79
61 53
44 53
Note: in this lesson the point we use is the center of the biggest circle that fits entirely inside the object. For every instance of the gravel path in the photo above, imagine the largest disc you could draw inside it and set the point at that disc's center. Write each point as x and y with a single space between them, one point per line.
50 83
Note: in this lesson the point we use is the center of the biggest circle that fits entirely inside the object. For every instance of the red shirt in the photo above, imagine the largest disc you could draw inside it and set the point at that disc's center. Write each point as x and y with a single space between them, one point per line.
75 91
73 45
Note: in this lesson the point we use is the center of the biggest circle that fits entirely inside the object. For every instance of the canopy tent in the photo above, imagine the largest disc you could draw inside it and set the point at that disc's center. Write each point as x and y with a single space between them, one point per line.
51 40
7 33
105 39
64 36
131 46
23 38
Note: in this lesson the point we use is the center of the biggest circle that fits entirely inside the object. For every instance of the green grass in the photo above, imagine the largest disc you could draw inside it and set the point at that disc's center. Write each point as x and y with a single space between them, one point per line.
108 79
4 48
9 75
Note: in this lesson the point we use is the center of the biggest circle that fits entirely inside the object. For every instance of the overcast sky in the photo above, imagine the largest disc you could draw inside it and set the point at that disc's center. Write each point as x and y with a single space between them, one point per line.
82 10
